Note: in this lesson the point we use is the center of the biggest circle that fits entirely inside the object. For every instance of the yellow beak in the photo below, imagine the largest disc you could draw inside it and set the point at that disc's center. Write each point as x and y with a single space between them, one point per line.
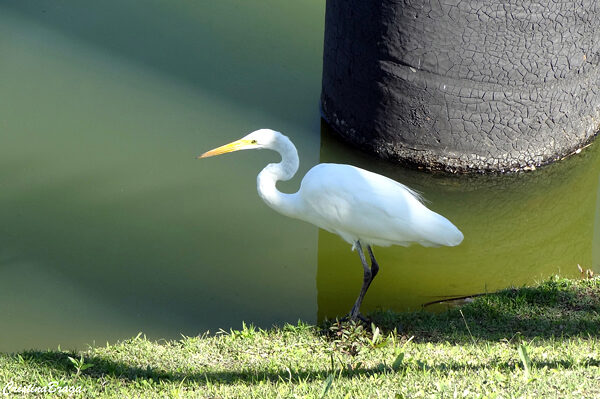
235 146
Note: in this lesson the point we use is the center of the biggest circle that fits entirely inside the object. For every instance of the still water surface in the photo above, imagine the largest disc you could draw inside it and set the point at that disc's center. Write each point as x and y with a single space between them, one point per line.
109 226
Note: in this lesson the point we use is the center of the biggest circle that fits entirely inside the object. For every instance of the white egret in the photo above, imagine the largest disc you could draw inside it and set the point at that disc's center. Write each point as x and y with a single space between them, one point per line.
362 207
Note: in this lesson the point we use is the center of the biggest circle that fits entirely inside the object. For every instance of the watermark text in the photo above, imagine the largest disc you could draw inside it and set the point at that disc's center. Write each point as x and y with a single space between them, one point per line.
11 388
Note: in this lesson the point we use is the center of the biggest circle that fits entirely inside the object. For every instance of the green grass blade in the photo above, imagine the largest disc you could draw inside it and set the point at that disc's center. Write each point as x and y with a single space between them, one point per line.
525 360
327 385
398 362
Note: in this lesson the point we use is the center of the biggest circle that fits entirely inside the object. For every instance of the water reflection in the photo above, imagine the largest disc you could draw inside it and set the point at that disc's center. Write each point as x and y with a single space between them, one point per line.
518 229
248 53
109 225
596 238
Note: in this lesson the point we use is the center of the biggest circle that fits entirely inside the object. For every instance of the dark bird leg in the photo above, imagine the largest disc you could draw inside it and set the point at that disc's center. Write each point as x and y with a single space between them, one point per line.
368 276
374 264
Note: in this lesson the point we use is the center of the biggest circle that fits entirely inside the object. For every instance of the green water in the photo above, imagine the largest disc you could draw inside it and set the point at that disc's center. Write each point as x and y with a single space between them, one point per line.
109 226
518 228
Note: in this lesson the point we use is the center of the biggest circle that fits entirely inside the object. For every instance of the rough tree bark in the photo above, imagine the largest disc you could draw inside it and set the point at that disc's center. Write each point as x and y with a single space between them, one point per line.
463 84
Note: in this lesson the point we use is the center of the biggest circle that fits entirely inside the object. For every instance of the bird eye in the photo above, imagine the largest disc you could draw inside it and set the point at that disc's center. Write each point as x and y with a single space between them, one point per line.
253 142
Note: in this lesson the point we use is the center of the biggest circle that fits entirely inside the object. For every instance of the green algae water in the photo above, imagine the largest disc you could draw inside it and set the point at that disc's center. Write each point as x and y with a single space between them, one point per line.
109 225
519 228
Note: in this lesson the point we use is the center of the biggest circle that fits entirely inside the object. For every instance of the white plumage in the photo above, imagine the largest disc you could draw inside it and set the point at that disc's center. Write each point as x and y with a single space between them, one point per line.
359 205
362 207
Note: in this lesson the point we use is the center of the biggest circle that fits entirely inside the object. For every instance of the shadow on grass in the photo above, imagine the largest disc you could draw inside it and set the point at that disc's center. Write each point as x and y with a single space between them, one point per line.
556 308
59 363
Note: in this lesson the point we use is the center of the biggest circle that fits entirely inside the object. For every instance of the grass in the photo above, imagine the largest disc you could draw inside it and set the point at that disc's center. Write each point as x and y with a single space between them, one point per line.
518 343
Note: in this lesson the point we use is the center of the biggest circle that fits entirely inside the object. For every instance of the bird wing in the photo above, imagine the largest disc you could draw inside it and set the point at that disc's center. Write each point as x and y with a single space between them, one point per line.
361 205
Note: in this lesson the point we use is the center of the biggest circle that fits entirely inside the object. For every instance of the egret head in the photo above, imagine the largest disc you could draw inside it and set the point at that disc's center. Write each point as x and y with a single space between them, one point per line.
263 138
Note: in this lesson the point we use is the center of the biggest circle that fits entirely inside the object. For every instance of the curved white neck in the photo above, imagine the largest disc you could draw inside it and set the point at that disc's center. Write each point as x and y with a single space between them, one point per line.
286 169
